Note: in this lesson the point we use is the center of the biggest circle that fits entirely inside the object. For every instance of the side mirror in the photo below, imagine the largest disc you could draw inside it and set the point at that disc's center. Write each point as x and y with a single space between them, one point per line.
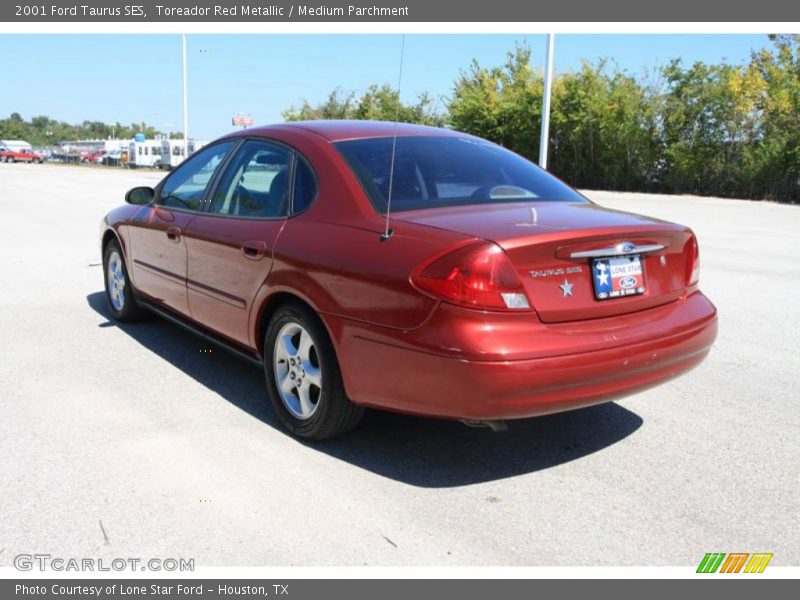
140 195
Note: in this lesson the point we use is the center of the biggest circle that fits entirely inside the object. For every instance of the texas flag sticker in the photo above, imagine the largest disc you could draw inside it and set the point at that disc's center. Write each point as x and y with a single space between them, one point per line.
617 277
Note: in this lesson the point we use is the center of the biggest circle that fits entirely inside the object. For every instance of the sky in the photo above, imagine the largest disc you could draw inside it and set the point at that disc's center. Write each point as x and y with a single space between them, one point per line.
135 78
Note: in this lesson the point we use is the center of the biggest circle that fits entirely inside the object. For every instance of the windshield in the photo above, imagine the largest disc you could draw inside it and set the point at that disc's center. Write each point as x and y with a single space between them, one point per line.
431 172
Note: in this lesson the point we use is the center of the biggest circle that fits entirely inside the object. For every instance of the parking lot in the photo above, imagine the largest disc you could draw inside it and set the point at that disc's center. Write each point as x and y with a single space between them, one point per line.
137 441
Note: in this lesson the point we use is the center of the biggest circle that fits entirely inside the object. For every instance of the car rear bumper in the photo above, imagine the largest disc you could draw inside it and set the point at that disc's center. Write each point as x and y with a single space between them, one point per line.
494 376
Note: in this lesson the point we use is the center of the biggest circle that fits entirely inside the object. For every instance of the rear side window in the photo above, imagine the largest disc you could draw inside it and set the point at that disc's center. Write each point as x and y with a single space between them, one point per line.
186 186
430 172
305 186
255 183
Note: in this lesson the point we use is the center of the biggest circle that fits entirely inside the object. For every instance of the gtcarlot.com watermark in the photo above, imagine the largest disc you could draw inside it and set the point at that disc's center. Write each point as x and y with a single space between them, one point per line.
48 562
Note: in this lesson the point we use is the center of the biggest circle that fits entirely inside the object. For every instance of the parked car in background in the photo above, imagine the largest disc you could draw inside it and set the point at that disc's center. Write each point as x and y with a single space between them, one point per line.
111 158
88 157
491 290
27 156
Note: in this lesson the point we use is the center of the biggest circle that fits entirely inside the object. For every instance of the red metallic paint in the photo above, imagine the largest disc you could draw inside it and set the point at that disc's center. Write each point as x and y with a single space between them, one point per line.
484 365
229 260
400 349
157 255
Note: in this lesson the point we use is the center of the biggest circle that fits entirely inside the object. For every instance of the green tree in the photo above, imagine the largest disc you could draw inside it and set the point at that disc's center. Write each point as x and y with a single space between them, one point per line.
774 158
502 104
377 103
338 105
43 131
383 104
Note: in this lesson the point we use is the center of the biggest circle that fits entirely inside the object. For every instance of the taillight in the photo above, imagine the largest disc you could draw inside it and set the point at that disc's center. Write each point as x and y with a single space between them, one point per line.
692 261
478 275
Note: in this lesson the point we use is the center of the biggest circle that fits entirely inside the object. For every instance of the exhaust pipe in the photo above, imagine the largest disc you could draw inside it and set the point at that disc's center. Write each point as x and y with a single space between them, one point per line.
495 425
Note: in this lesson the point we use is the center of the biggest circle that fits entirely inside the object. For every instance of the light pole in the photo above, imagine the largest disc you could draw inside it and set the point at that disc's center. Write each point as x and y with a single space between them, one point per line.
185 104
544 138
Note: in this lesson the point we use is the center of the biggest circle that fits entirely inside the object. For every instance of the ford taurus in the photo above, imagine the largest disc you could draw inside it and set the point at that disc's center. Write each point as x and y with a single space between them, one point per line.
407 268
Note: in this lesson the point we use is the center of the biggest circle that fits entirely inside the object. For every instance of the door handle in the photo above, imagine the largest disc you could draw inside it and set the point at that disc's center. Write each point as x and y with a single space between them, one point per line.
174 234
254 249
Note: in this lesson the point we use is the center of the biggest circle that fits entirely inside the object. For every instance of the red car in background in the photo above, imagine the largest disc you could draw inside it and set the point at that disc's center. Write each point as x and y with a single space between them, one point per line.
12 156
95 156
497 291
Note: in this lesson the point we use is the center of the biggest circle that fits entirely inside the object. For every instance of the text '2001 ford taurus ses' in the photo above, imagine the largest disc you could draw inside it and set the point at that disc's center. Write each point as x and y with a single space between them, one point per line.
493 291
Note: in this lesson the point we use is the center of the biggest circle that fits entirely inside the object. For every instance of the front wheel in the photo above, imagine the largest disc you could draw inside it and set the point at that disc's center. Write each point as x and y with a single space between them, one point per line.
119 291
303 377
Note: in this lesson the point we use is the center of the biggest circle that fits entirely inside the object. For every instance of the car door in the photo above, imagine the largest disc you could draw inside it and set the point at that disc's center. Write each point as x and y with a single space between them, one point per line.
157 233
230 244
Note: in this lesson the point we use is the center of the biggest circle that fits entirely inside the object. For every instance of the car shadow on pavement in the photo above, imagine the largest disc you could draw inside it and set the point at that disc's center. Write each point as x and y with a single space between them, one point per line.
423 452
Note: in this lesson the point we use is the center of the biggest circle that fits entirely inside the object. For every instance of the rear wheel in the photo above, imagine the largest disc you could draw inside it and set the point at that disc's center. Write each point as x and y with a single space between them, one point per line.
303 377
119 292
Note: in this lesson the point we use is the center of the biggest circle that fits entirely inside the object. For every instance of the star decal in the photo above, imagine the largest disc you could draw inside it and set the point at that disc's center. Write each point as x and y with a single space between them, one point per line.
566 287
602 276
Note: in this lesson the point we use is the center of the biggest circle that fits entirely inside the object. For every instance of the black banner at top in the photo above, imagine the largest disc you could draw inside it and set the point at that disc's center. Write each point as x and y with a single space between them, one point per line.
399 11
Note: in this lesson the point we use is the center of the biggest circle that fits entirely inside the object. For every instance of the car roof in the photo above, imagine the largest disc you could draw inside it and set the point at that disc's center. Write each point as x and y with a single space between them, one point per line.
338 130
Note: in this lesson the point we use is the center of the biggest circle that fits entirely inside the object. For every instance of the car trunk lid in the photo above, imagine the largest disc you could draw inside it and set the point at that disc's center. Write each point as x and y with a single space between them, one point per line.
555 248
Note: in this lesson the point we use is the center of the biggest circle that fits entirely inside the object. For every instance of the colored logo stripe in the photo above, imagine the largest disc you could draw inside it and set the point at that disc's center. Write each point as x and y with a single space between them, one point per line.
758 562
735 561
711 562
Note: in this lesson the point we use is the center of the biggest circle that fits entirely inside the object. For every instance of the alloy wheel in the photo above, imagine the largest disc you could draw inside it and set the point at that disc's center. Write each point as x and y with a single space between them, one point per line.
115 277
296 366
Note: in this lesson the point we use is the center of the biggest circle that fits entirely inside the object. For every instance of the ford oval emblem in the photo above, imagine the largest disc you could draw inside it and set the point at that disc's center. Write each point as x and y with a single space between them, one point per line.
626 247
627 282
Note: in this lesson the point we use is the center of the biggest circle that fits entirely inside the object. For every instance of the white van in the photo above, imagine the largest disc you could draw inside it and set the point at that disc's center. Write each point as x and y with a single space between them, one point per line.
195 145
171 153
173 149
144 154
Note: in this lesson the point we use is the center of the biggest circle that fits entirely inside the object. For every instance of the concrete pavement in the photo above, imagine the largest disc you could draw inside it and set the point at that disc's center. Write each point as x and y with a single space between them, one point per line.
175 451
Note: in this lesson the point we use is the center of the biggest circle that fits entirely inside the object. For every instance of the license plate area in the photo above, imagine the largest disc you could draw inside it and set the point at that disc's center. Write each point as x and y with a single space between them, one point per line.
617 277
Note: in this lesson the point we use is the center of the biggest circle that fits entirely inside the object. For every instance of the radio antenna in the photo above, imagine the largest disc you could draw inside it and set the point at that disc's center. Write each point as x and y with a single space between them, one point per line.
387 233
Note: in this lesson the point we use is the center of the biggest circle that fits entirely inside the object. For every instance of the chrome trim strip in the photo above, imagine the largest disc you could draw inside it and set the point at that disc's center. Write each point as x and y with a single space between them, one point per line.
618 250
216 294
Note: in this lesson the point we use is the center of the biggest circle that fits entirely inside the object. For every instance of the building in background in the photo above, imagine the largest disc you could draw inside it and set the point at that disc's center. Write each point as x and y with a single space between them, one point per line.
15 145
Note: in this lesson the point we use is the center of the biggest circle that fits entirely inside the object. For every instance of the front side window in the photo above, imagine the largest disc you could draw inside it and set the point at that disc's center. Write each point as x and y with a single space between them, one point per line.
430 172
186 186
255 183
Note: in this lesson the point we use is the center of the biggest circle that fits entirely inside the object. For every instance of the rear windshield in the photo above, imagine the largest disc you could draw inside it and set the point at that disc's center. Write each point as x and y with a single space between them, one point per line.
431 172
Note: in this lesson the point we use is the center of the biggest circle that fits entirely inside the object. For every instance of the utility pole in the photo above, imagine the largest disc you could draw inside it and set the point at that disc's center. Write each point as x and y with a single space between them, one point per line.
548 84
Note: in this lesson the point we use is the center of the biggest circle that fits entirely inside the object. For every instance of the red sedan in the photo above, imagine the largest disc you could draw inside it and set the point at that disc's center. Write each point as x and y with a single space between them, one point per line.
410 269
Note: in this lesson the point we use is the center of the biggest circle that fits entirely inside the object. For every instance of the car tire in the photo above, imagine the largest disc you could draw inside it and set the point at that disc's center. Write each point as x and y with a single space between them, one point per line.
304 381
119 291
